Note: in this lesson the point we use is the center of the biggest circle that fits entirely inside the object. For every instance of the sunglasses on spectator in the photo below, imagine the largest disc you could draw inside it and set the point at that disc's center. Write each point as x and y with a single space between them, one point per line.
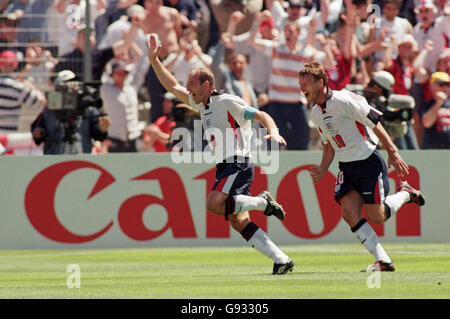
442 83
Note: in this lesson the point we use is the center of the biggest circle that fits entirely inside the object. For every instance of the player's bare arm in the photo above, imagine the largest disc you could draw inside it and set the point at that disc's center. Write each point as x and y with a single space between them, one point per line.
319 171
394 158
269 124
165 77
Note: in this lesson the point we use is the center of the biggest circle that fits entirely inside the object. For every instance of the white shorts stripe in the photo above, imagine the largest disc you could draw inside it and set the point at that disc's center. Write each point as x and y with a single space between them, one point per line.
230 180
381 188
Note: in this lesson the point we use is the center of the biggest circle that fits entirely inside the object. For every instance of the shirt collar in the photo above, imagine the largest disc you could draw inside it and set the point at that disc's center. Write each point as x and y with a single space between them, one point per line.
329 95
209 99
425 30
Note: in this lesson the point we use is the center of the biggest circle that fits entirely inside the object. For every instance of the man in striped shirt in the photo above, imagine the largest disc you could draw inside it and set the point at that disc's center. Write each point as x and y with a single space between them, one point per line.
18 99
289 113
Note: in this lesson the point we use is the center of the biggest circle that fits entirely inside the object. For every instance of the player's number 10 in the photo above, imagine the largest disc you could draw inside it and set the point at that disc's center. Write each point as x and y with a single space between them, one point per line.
339 141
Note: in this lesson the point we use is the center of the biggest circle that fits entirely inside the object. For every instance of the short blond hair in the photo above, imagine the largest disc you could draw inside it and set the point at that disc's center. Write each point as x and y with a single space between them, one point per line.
204 74
316 70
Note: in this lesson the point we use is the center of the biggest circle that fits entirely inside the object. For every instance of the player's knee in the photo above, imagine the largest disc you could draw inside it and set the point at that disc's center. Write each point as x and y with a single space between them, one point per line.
375 215
236 224
239 221
350 217
376 219
215 206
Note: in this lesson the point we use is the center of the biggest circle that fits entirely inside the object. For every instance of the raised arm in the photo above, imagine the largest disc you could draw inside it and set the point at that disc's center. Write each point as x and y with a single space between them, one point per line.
253 40
351 20
373 45
325 9
430 116
227 37
164 76
420 71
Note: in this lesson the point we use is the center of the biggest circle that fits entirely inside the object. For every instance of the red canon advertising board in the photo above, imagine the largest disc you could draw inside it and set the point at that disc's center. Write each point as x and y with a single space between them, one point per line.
42 189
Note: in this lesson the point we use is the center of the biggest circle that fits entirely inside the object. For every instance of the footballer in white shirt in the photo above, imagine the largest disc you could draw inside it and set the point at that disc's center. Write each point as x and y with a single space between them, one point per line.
350 130
227 123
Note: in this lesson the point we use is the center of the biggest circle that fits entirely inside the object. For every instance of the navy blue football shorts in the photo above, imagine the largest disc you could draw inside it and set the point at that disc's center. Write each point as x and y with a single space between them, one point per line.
368 177
234 178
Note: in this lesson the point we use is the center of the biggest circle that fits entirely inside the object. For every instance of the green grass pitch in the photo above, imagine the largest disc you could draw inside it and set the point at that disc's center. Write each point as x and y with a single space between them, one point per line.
322 271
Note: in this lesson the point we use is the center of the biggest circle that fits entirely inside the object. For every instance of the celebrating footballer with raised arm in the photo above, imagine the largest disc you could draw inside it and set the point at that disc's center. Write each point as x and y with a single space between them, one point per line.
229 116
350 130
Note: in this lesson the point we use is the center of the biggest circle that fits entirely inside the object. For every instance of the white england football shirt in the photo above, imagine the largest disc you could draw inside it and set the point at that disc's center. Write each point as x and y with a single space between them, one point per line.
346 121
227 124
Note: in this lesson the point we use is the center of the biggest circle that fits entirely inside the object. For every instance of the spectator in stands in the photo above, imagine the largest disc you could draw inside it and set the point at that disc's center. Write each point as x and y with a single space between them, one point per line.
397 27
402 67
365 43
39 65
420 86
33 18
440 6
443 23
296 11
188 12
66 18
18 99
285 107
8 25
340 74
113 11
74 60
258 70
443 64
427 29
222 9
129 27
235 83
166 23
189 57
407 11
157 135
435 114
121 104
124 47
404 71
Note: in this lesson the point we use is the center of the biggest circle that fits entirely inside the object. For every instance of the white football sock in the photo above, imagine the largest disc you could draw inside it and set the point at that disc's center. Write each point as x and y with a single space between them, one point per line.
262 243
245 203
396 201
367 236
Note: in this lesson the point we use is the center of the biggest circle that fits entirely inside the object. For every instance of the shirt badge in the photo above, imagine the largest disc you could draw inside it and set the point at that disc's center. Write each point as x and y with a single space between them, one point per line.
328 123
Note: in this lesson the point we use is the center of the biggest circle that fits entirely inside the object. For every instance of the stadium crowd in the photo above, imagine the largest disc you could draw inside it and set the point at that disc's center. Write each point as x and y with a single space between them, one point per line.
255 49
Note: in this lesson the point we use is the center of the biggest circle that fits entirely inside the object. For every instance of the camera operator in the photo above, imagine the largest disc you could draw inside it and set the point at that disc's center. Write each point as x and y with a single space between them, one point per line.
396 108
72 118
